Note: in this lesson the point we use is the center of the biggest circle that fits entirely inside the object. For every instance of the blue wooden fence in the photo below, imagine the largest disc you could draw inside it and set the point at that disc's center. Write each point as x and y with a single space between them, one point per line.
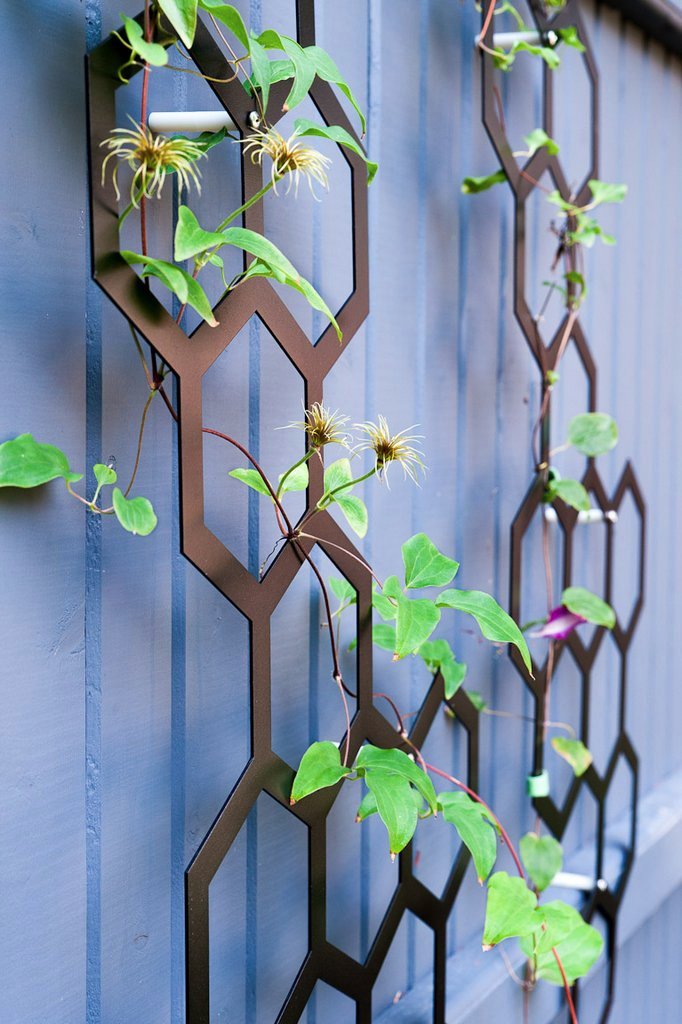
125 675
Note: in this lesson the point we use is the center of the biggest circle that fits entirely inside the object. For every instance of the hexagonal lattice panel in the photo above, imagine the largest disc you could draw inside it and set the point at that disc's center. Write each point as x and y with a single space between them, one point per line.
588 685
332 973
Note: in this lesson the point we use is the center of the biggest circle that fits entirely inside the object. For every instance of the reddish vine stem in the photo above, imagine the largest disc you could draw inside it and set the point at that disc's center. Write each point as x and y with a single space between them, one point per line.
279 508
337 676
486 23
567 987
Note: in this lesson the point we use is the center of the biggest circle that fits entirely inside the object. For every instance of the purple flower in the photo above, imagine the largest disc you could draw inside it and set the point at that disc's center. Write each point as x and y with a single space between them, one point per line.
560 623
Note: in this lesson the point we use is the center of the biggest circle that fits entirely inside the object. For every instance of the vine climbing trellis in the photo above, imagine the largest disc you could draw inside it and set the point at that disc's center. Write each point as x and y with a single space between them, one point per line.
602 900
189 360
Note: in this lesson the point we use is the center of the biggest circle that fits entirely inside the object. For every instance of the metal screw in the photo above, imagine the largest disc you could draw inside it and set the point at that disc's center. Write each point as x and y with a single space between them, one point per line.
253 120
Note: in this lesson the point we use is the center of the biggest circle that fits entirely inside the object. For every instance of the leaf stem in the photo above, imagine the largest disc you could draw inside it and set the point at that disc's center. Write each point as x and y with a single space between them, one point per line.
128 489
336 675
290 470
141 354
242 209
360 561
279 507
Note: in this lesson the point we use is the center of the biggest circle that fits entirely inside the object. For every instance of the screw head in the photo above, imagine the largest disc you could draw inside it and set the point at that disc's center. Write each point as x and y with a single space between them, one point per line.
253 120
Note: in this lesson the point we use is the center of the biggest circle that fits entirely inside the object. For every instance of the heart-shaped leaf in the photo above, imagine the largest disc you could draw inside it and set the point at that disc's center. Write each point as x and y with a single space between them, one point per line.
542 857
136 515
495 624
425 566
320 767
593 433
575 752
473 828
590 607
509 909
26 463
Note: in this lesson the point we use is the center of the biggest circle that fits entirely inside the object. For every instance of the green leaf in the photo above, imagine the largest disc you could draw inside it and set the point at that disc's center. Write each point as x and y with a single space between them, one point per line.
176 280
439 657
304 67
509 910
583 602
477 700
104 474
578 944
151 53
569 37
415 619
335 133
297 480
326 69
371 759
26 463
368 804
343 590
205 140
575 752
492 620
320 767
252 478
593 433
387 608
191 240
355 511
473 827
425 566
550 56
604 192
473 185
542 858
337 474
383 636
454 674
396 807
182 15
570 491
261 66
538 138
136 515
230 17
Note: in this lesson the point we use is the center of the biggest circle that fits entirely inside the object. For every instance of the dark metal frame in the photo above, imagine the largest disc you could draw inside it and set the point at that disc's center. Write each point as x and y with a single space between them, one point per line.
189 360
603 903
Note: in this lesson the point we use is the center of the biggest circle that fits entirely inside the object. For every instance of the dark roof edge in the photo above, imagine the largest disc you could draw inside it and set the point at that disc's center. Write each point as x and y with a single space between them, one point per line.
658 18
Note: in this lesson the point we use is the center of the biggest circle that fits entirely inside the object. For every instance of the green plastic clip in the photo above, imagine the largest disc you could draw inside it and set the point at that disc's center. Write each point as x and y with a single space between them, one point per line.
538 785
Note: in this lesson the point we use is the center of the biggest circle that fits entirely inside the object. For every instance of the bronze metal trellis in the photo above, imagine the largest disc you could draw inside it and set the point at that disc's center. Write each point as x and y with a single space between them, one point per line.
190 360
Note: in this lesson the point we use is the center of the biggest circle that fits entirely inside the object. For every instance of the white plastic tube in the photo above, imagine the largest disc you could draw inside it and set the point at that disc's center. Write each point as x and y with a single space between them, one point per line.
190 121
592 515
505 40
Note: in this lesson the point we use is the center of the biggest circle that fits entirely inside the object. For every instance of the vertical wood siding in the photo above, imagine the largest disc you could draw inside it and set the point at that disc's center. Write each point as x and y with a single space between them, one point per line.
125 675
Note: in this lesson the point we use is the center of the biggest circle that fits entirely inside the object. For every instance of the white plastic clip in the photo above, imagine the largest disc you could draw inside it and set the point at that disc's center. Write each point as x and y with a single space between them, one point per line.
584 883
592 515
506 40
190 121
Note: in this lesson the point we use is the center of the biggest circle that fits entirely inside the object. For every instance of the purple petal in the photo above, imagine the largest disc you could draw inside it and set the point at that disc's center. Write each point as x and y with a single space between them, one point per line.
560 623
